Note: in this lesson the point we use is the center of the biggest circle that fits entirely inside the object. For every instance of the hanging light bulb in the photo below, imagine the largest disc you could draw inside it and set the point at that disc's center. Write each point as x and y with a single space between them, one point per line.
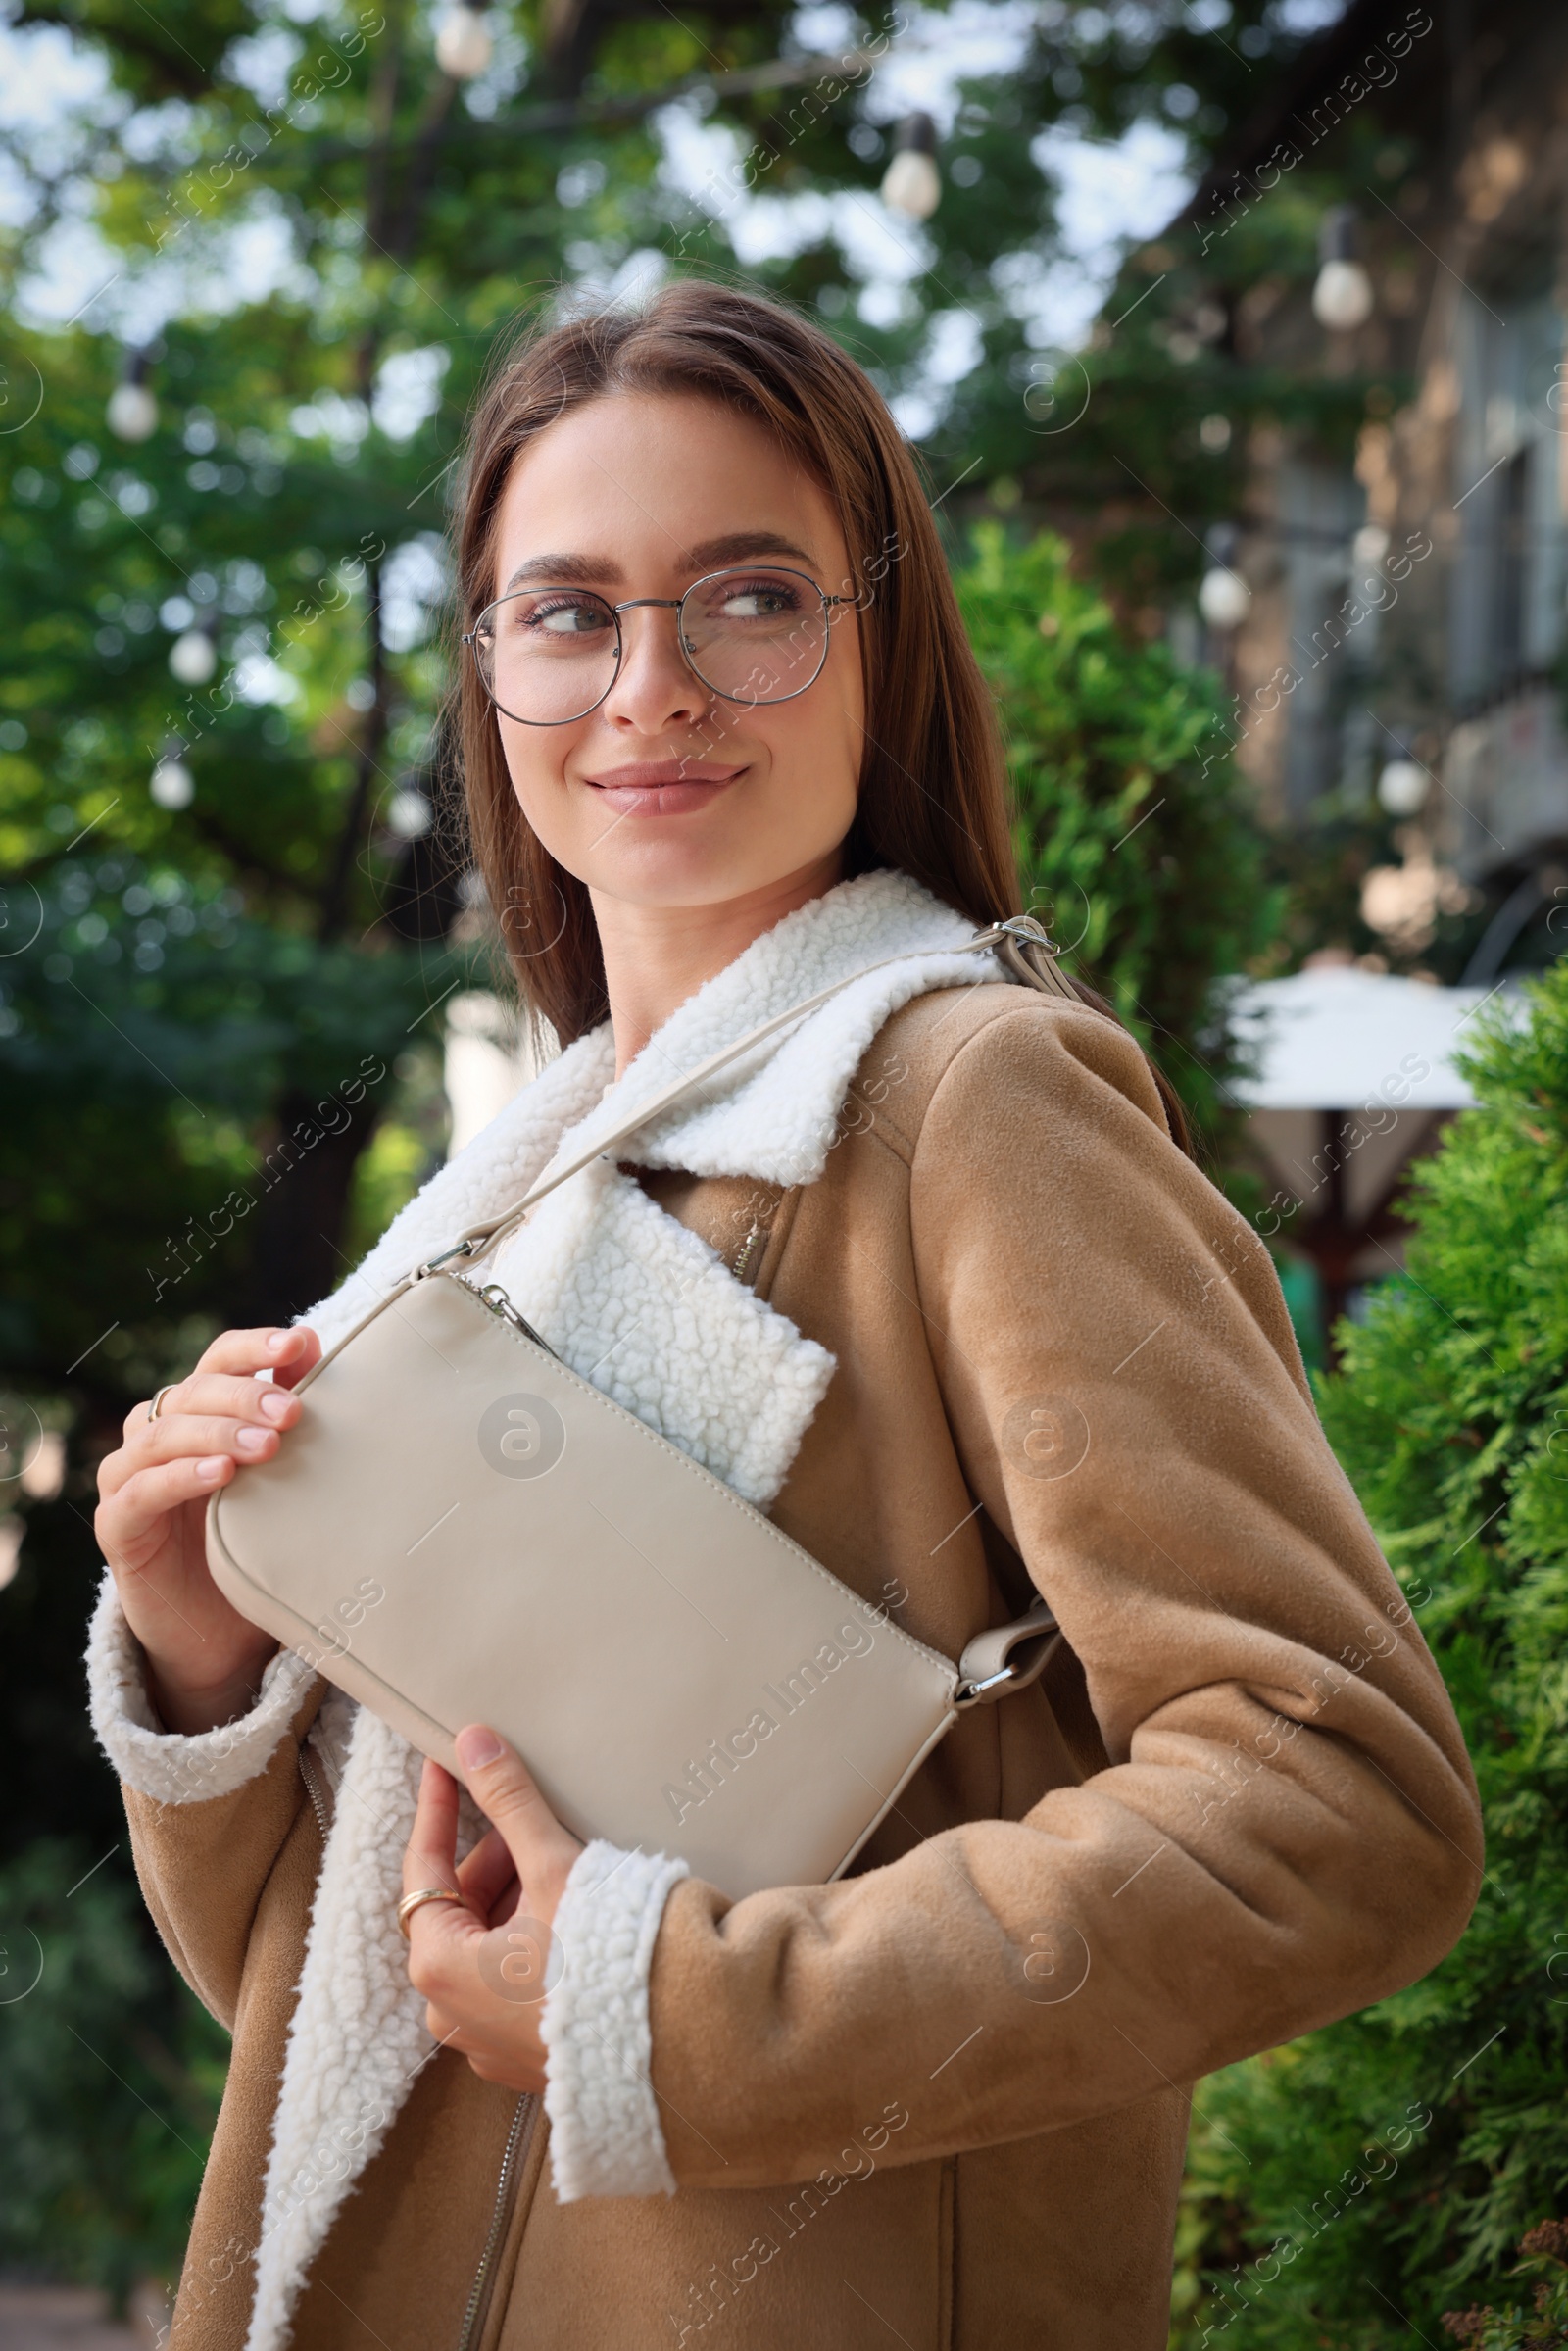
462 45
132 412
193 657
171 784
1342 298
1223 596
912 183
1403 786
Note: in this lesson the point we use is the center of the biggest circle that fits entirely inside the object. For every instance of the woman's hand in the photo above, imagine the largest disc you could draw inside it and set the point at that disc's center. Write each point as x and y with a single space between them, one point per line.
204 1658
484 1968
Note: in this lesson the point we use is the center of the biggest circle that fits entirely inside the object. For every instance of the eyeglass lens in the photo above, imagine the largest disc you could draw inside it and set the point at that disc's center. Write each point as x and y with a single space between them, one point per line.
549 655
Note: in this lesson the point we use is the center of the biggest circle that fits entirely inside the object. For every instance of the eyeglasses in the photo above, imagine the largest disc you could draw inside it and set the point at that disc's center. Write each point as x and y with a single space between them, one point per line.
750 635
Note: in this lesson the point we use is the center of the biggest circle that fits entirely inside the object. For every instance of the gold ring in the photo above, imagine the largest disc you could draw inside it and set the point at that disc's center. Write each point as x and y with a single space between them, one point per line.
156 1405
426 1893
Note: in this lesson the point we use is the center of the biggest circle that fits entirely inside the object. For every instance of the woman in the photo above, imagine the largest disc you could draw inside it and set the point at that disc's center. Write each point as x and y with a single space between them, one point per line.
942 1288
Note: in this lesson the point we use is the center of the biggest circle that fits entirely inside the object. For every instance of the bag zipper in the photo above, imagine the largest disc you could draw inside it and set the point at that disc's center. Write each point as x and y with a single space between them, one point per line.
515 2154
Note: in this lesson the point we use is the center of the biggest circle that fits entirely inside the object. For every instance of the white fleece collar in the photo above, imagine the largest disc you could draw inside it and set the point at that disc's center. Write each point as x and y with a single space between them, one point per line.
773 1117
644 1308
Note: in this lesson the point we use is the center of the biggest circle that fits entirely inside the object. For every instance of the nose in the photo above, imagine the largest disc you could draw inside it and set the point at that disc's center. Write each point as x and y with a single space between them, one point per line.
655 690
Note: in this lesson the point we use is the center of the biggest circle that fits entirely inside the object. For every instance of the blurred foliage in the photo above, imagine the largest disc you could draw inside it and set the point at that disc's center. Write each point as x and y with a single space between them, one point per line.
1310 2220
111 2073
163 1121
1105 737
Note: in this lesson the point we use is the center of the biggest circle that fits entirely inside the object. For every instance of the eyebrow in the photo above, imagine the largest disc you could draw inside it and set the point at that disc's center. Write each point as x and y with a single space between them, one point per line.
708 555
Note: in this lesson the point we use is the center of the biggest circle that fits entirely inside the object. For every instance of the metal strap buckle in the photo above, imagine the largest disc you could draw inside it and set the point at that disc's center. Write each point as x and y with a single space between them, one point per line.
969 1693
1026 926
459 1248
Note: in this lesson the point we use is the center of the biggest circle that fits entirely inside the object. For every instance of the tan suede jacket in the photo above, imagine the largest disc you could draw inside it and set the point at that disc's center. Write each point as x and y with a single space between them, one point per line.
944 2101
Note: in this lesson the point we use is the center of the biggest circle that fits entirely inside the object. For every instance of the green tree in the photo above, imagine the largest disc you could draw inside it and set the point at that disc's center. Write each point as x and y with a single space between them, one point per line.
1107 751
1392 2164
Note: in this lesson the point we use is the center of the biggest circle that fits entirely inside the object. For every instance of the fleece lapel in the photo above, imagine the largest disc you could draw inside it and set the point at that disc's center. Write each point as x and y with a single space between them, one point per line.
775 1114
646 1310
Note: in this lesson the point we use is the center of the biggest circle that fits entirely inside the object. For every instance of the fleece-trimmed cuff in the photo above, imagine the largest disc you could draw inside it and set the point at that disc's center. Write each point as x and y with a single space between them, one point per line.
168 1765
605 2136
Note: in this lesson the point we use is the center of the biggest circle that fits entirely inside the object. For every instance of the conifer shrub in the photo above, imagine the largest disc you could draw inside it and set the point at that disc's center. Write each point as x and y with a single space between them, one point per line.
1377 2178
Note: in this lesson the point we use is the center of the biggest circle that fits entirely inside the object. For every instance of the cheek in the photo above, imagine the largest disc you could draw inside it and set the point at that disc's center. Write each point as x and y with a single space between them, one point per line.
535 758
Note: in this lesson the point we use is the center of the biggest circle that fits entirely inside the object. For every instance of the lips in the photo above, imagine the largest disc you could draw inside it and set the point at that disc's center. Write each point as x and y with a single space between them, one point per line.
663 787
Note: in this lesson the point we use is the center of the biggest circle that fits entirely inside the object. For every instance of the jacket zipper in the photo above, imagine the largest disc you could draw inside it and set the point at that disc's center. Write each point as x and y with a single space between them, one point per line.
518 2139
741 1265
313 1788
515 2155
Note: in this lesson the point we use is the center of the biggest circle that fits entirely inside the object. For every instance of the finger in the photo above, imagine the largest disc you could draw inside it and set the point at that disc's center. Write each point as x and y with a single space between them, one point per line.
221 1405
183 1438
506 1792
430 1858
126 1523
301 1349
518 2069
285 1353
192 1434
231 1397
485 1874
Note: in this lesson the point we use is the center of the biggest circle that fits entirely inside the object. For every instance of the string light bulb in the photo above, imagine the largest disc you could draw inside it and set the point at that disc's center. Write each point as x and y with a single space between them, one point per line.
1403 787
463 47
171 784
1342 298
133 411
912 184
193 657
1223 596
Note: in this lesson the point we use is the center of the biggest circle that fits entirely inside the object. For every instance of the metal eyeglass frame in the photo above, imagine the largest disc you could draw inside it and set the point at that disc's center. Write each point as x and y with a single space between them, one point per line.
662 604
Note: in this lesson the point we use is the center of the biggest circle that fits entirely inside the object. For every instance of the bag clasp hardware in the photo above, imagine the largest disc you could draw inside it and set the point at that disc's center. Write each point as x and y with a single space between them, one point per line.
459 1248
496 1298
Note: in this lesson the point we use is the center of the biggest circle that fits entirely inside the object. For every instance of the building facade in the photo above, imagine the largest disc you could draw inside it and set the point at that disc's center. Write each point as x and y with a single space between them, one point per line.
1406 630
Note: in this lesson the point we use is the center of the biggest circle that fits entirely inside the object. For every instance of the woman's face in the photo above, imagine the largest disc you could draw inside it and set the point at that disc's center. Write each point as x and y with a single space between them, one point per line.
667 795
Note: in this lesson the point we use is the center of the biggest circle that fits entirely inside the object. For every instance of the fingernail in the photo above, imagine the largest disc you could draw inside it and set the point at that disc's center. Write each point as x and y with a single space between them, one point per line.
279 1342
274 1404
212 1468
251 1441
478 1745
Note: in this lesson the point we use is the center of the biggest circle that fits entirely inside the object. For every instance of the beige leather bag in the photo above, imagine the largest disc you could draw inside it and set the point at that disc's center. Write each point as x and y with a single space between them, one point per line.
461 1529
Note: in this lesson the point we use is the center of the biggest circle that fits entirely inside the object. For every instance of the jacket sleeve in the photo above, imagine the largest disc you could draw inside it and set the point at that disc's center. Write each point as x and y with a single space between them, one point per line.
1288 1828
210 1814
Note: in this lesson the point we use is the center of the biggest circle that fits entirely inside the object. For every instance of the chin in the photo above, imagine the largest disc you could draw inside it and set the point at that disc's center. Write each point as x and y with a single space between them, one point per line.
660 877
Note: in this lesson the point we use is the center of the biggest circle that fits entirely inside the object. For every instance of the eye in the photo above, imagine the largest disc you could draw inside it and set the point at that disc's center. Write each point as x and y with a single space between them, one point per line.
764 599
556 617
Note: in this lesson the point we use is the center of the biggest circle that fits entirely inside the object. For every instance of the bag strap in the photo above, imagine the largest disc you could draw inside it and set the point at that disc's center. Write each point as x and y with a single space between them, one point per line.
1009 939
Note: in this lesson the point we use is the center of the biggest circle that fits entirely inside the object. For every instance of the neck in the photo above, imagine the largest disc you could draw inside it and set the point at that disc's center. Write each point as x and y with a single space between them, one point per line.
656 956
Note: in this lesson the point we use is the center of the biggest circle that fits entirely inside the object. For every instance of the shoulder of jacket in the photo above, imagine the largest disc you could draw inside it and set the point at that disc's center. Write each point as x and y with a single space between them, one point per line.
989 1026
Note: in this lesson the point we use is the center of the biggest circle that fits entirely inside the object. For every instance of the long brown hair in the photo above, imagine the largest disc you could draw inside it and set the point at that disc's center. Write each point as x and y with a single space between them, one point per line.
933 792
